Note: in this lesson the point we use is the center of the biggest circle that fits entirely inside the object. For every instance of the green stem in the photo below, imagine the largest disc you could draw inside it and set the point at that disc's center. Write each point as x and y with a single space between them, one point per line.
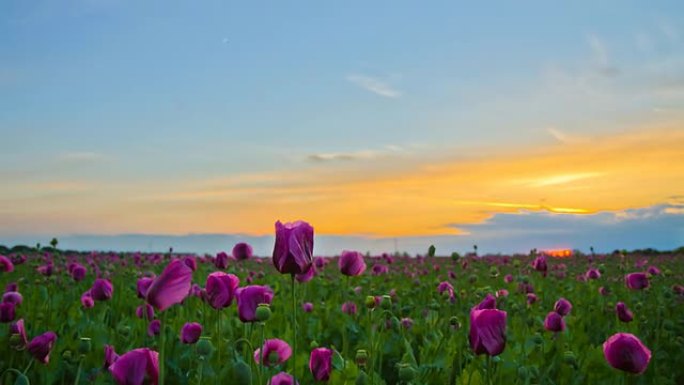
29 365
78 372
218 340
201 369
371 357
261 352
489 369
162 358
294 328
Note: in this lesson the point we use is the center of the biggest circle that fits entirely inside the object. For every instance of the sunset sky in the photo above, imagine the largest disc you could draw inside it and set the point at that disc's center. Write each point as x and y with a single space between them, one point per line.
513 126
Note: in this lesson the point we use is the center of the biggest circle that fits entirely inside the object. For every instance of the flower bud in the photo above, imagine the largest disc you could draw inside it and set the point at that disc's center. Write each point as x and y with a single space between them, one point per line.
205 347
570 359
370 302
313 344
242 373
361 357
386 302
263 312
66 355
21 380
85 345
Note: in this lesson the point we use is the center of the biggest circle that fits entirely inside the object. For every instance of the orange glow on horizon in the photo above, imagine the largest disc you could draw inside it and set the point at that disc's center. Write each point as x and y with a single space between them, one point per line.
558 253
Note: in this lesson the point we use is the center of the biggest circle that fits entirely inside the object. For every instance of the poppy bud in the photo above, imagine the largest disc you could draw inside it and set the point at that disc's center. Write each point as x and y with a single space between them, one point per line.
85 345
570 359
361 357
204 347
386 302
263 312
370 302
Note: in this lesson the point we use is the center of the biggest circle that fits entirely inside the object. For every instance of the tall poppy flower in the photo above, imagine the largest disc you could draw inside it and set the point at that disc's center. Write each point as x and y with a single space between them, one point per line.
563 307
137 367
293 250
190 333
171 286
6 264
626 352
41 346
351 263
487 331
623 313
320 363
102 290
249 298
242 251
636 281
220 289
554 322
275 352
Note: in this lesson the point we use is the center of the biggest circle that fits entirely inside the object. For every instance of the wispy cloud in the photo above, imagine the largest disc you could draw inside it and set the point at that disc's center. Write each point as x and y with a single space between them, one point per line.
601 58
81 156
354 155
374 85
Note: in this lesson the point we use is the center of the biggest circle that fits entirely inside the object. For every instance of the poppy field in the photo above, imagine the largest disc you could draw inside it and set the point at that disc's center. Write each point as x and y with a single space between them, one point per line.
294 317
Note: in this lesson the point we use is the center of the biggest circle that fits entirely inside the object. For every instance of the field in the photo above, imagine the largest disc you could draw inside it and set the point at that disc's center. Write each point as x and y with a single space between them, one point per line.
424 320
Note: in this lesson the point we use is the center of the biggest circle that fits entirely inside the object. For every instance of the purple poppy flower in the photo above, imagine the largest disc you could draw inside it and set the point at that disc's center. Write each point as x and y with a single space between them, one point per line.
275 352
351 263
190 333
540 265
171 287
221 260
110 356
154 328
593 274
283 378
307 307
12 286
249 297
87 301
6 264
145 311
653 270
220 289
636 281
19 329
406 323
320 363
379 269
623 313
46 269
7 312
625 352
319 262
445 286
604 291
137 367
554 322
562 307
41 346
531 298
487 331
242 251
293 250
142 285
508 278
349 308
12 297
78 272
102 290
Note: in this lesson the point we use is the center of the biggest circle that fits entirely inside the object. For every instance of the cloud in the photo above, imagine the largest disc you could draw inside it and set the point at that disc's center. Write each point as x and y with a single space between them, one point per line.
601 58
355 155
81 156
374 85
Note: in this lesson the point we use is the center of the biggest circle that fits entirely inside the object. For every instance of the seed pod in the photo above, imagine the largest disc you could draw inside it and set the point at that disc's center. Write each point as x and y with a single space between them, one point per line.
204 347
263 312
242 373
85 346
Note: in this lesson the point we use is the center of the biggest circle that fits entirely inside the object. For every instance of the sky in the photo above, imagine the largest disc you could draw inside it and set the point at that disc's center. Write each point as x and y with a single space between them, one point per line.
384 124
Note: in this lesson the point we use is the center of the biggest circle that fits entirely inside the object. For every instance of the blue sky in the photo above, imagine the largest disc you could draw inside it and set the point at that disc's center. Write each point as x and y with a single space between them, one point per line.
130 117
